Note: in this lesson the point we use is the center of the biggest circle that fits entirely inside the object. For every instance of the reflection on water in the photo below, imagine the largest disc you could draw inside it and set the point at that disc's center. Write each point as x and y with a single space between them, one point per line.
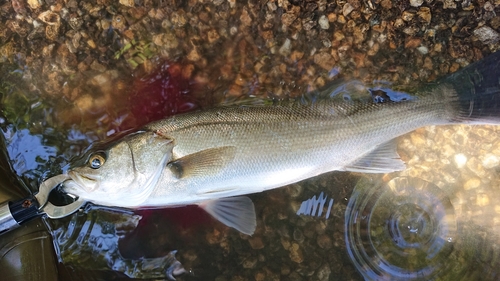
408 229
438 221
402 230
67 92
90 240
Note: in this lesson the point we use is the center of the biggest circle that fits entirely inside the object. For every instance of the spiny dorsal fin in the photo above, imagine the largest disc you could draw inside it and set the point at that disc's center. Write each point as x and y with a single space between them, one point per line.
209 161
384 159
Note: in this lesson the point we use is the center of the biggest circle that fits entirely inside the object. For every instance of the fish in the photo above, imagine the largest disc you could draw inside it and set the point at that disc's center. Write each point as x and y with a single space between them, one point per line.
214 157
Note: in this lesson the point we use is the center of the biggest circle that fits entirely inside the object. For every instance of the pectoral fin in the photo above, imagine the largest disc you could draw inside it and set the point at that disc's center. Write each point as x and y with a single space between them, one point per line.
384 159
205 162
235 212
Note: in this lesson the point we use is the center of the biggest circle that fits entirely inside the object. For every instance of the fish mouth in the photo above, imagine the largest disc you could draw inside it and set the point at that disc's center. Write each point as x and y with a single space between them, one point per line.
86 182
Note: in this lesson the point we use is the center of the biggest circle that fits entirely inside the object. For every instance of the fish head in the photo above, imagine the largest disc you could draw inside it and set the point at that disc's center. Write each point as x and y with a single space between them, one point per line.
125 173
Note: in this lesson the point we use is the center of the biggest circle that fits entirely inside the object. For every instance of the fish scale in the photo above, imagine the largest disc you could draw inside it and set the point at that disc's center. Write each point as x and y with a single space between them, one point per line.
209 157
321 137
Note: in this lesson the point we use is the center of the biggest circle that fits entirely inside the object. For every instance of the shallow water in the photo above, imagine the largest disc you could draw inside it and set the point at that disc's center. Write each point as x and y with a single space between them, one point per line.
58 101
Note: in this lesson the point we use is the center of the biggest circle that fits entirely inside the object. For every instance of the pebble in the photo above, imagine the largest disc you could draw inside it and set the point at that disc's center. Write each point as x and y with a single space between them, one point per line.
250 262
417 139
490 161
424 13
482 199
34 4
286 48
128 3
324 22
298 235
260 276
256 243
245 18
347 9
449 4
324 241
460 160
338 35
194 55
324 60
472 183
296 254
412 43
386 4
416 3
323 273
487 35
271 6
475 166
423 50
95 65
407 16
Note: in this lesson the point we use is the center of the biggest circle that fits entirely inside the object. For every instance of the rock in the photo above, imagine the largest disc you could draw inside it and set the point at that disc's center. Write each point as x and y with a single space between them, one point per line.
325 60
245 18
296 254
487 35
286 48
416 3
417 139
298 235
449 4
423 50
490 161
128 3
34 4
271 6
386 4
347 9
323 273
476 167
260 276
482 199
338 35
424 13
250 262
472 183
324 241
194 55
407 16
213 36
324 22
288 18
256 243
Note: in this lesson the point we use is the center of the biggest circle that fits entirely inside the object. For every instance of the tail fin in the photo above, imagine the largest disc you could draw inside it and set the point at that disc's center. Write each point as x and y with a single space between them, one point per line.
478 90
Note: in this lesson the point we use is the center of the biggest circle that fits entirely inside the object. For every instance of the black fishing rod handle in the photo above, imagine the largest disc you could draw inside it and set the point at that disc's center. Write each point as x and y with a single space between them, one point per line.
13 214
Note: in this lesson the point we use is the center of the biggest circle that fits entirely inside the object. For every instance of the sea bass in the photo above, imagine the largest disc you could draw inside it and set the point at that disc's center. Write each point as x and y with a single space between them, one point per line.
212 157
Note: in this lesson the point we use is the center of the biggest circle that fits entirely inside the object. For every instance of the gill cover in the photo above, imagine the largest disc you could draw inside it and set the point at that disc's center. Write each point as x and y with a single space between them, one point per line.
128 171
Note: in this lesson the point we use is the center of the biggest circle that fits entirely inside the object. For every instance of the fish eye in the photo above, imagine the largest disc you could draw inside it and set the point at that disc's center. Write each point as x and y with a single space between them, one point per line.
96 161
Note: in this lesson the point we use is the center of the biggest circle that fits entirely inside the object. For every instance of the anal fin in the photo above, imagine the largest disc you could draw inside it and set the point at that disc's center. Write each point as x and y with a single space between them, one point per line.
236 212
384 159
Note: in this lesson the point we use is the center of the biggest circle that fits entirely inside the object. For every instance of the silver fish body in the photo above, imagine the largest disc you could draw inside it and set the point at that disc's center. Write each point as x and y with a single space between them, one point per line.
272 146
203 156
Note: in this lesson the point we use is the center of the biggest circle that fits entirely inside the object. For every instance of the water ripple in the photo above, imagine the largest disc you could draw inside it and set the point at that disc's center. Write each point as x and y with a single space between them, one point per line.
402 230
